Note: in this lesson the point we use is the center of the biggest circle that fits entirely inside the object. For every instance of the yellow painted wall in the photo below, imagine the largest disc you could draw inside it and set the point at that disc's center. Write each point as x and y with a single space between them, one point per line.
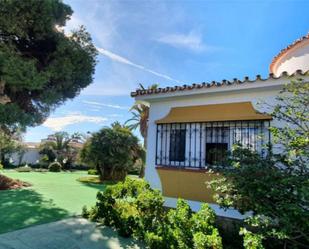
186 183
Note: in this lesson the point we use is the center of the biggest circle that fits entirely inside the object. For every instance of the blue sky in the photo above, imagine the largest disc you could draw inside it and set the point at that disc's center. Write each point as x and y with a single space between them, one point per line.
171 43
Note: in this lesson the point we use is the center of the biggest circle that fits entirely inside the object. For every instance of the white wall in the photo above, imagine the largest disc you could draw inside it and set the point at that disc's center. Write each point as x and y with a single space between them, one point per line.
30 157
294 60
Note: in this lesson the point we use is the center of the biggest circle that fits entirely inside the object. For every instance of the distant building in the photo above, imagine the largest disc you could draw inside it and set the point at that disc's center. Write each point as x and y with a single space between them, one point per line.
31 153
29 156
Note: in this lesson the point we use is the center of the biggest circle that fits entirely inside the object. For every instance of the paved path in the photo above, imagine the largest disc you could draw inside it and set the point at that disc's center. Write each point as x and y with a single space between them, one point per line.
73 233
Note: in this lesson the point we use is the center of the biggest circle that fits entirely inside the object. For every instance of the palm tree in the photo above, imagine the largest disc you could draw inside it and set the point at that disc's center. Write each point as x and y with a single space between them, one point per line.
59 147
140 113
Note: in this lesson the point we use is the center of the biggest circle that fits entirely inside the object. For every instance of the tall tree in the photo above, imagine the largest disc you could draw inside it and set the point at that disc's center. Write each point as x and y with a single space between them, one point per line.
140 116
40 66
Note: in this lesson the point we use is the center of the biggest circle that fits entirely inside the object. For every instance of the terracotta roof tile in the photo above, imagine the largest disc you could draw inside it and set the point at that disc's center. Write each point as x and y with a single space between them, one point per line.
285 50
140 92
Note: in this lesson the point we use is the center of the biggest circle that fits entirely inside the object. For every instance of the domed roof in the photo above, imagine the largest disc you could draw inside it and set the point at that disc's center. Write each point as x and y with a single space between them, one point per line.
295 56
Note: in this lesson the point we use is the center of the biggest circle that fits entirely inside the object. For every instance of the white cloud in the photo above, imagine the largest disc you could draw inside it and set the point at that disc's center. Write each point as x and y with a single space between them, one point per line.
192 41
58 123
116 115
105 105
120 59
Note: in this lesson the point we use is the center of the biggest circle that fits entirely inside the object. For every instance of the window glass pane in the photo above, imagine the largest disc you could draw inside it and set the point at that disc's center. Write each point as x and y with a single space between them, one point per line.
247 137
177 145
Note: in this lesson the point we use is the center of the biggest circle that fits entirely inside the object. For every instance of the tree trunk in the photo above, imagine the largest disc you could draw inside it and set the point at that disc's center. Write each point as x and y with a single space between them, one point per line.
111 173
142 171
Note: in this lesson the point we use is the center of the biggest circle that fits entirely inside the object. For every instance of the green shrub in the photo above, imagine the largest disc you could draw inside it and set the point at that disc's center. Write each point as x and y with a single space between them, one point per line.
134 209
192 230
154 241
92 172
24 169
85 212
54 167
180 225
113 150
1 166
252 240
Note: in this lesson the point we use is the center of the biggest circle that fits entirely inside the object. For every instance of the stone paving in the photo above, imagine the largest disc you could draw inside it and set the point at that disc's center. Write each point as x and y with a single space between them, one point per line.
72 233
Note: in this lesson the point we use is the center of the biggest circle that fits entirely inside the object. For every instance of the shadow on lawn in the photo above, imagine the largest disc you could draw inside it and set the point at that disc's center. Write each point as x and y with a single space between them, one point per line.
97 186
25 207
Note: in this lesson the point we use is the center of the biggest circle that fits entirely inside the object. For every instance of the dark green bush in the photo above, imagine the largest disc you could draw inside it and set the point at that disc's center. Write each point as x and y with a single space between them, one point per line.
112 151
54 167
92 172
134 209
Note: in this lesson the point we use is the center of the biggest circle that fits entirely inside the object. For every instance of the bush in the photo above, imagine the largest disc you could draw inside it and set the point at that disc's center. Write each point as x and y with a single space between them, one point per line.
89 180
54 167
24 169
112 151
92 172
1 166
134 209
251 240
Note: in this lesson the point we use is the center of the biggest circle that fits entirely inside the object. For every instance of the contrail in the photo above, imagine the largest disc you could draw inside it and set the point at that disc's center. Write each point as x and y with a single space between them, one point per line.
118 58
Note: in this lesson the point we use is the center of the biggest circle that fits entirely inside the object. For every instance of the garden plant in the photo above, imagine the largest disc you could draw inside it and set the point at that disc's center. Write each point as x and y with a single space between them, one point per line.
134 209
112 152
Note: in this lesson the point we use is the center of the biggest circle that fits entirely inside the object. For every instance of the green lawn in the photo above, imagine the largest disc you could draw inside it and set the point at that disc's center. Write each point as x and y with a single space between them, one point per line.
53 196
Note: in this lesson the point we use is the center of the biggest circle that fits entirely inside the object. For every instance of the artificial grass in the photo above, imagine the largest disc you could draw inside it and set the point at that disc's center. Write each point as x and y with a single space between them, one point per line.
52 196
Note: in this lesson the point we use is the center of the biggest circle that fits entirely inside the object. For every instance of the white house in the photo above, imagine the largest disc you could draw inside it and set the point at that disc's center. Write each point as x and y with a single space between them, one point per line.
30 155
192 126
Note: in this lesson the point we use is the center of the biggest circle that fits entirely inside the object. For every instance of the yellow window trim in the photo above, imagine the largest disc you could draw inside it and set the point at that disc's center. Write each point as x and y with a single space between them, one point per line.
215 112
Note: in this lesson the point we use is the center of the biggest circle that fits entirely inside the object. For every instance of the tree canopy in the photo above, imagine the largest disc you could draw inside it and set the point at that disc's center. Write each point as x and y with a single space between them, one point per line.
112 150
40 65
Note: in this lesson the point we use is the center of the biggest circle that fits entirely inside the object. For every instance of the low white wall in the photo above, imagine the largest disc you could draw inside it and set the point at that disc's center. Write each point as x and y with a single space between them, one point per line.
31 156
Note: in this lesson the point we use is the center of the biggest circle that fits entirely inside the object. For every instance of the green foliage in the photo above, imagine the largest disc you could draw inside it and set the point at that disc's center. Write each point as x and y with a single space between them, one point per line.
85 212
55 167
276 188
154 241
89 179
134 209
40 66
180 225
24 169
92 172
251 240
1 166
112 151
192 230
9 143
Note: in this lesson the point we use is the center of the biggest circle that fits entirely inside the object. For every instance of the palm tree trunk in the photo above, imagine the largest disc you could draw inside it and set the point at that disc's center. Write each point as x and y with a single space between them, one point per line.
142 171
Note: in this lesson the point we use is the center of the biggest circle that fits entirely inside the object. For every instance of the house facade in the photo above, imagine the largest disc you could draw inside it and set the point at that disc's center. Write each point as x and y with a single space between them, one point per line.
191 128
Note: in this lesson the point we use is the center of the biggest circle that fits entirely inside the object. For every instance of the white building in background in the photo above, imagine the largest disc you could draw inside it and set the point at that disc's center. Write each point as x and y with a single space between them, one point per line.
192 126
30 155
